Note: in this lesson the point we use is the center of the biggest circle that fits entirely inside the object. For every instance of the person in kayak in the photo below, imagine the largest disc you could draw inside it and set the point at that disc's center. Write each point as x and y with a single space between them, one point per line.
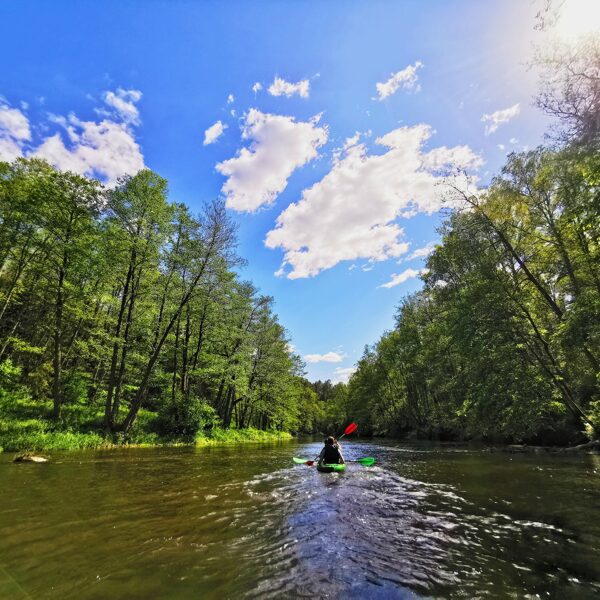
331 453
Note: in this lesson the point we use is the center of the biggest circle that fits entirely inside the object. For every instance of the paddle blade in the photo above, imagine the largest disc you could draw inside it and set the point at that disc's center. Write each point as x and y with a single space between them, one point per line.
367 461
350 429
304 461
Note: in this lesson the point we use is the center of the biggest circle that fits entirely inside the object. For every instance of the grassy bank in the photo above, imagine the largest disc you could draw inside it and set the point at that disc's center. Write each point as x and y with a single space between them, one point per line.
25 426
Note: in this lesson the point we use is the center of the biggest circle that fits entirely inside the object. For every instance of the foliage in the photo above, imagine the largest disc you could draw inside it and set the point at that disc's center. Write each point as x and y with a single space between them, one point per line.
119 306
186 418
503 342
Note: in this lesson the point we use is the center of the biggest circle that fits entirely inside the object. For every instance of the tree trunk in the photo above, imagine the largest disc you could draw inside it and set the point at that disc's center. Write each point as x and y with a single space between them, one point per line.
108 421
125 346
184 354
175 359
57 355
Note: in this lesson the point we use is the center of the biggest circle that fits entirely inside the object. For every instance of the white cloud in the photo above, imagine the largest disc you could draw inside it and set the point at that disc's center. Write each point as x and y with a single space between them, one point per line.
343 374
513 141
351 213
422 252
123 103
281 87
106 149
213 133
398 278
9 149
230 99
14 132
330 357
407 79
13 123
279 145
495 119
257 87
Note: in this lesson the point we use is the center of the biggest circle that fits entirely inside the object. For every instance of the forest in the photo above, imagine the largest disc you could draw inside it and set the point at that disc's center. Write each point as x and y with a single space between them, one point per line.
122 317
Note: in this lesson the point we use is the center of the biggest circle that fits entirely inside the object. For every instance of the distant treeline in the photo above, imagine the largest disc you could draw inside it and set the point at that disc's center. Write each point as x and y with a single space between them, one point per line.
503 342
118 300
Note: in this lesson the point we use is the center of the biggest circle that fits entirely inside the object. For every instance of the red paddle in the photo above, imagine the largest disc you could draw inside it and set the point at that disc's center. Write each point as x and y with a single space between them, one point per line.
350 429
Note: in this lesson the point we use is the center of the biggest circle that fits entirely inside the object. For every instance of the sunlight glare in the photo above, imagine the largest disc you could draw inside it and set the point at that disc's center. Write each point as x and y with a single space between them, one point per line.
578 17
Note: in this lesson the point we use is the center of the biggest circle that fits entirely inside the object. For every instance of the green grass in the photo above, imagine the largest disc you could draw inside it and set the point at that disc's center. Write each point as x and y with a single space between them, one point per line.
25 426
239 436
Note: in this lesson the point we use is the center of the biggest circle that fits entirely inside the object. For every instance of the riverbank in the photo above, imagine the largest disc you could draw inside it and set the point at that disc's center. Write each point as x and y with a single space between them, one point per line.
590 446
26 426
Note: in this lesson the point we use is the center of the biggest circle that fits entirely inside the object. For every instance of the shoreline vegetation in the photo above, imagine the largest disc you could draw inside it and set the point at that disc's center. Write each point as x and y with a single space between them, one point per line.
29 435
73 441
66 441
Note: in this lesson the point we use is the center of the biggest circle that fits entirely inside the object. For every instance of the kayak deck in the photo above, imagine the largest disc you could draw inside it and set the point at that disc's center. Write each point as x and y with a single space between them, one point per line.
331 468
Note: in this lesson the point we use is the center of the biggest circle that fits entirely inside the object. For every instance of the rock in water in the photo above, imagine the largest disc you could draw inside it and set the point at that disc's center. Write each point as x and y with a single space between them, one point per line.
29 458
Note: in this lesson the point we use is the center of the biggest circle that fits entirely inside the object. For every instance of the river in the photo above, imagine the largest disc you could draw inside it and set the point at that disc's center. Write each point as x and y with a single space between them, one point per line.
245 522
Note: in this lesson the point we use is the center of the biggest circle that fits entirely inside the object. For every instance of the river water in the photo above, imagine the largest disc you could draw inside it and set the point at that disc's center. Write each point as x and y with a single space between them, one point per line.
244 522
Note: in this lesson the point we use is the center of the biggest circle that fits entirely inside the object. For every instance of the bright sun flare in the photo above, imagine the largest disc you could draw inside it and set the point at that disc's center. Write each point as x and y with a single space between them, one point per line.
578 17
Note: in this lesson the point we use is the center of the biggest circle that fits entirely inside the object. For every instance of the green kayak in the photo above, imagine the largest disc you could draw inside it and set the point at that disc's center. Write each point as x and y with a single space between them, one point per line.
330 468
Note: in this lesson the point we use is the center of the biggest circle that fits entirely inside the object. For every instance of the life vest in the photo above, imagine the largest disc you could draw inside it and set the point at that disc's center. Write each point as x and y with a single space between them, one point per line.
331 455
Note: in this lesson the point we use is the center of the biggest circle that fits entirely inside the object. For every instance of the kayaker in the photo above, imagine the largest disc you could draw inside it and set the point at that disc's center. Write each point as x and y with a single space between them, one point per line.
331 453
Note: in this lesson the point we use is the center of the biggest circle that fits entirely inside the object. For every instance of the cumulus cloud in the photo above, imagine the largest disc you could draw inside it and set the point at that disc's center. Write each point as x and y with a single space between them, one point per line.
257 87
407 79
123 103
343 374
352 212
14 132
213 133
495 119
230 99
398 278
278 145
106 149
14 123
330 357
281 87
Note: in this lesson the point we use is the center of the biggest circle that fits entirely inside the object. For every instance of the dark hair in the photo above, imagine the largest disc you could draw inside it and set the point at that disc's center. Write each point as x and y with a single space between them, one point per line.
330 440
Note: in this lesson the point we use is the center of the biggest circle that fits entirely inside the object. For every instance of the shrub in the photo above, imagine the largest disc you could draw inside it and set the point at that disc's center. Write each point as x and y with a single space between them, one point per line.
186 417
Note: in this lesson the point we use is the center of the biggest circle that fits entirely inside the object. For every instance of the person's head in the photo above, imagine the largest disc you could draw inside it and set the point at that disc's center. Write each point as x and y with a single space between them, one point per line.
330 441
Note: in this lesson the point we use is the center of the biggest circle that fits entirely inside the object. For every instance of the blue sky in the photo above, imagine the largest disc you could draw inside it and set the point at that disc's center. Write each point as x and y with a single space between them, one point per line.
107 87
